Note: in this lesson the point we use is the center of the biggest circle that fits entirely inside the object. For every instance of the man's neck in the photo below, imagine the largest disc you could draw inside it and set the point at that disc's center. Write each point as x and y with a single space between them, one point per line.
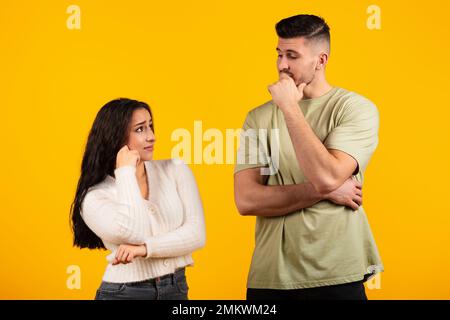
316 89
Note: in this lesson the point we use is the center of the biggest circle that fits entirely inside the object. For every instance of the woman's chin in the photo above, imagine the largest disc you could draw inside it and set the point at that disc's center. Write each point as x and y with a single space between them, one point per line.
147 156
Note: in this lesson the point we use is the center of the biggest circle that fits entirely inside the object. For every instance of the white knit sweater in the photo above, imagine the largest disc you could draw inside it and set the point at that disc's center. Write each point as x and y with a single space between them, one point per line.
170 223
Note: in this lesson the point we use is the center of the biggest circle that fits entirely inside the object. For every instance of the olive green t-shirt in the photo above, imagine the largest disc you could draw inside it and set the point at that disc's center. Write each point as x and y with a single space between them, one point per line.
325 244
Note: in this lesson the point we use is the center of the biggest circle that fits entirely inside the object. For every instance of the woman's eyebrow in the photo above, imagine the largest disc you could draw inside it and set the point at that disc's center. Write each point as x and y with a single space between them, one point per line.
143 122
138 124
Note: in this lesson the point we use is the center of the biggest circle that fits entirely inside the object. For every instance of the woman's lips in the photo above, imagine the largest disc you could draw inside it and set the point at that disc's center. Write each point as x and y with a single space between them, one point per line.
149 148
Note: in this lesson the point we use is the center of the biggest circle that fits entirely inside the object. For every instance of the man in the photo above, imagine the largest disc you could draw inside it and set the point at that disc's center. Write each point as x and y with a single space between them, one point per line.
313 240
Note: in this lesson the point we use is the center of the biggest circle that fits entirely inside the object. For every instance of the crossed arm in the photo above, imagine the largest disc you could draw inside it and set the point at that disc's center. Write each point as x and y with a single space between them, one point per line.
123 221
328 172
253 197
327 169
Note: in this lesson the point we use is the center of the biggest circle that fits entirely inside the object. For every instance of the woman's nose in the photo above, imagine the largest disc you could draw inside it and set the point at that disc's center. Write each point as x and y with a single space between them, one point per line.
150 135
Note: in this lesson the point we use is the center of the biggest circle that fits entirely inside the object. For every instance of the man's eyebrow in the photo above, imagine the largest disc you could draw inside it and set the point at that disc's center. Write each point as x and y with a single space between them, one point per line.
290 51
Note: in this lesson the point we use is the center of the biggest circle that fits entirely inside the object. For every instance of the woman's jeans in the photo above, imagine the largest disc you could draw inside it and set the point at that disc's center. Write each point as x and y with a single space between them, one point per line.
169 287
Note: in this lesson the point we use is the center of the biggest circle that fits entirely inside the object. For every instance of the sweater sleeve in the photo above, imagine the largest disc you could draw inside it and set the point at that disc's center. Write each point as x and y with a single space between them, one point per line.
120 220
190 236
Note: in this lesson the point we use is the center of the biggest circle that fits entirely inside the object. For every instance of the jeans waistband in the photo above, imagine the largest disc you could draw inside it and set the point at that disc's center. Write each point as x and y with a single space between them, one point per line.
178 272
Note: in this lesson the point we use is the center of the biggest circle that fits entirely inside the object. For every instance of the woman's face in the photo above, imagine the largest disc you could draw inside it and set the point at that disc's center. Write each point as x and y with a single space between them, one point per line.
141 136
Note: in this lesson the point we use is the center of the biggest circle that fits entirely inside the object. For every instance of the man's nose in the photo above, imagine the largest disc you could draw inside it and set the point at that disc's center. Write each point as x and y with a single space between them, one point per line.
283 64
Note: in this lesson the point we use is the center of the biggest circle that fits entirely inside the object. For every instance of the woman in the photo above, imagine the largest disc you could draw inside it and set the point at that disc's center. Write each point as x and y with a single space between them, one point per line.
147 213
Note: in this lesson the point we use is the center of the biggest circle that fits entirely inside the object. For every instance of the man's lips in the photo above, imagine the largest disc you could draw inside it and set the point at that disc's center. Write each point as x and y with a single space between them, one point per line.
287 73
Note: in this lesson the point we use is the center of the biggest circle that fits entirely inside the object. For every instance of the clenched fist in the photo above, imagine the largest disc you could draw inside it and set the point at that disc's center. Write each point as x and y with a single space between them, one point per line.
285 93
127 157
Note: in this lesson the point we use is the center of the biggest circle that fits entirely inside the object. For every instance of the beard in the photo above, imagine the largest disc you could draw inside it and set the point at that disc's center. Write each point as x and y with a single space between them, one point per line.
285 71
305 79
301 79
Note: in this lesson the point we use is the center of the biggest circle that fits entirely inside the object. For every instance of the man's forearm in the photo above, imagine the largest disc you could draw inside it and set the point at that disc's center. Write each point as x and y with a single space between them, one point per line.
272 201
319 166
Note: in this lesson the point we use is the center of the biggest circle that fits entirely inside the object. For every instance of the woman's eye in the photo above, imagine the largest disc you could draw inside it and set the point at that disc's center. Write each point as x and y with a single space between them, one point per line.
139 129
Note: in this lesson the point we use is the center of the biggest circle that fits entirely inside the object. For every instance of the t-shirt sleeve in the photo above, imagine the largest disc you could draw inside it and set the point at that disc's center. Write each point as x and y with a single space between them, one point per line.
253 149
356 132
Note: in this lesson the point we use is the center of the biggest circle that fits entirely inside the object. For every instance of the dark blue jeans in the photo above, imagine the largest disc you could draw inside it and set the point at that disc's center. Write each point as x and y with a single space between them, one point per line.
169 287
346 291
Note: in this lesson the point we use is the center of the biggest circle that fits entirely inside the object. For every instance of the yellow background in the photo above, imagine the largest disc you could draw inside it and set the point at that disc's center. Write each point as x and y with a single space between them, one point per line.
212 61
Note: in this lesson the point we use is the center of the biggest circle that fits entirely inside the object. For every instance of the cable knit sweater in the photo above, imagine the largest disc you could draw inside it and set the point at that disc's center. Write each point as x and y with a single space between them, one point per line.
170 223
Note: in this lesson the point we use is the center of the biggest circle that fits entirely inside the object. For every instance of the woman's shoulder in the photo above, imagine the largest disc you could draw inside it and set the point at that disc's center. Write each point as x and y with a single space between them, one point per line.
173 168
167 164
102 189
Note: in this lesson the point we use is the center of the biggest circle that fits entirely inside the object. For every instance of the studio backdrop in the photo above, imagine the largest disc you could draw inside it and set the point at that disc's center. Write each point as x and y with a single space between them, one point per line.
202 66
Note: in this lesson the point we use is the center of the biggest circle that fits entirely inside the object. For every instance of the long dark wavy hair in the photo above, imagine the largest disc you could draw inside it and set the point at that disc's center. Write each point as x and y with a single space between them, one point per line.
108 135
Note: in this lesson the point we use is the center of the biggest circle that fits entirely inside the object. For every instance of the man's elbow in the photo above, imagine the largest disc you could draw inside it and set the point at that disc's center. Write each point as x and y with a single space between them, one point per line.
325 185
244 207
244 210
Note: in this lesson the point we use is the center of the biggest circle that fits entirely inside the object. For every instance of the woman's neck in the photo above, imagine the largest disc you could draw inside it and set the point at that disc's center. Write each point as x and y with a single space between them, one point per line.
141 173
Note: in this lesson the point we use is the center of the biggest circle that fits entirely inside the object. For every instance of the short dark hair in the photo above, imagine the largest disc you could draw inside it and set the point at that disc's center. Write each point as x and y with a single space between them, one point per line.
303 25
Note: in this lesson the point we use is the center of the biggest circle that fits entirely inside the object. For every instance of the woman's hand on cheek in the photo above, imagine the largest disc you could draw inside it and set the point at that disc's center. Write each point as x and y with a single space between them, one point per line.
127 157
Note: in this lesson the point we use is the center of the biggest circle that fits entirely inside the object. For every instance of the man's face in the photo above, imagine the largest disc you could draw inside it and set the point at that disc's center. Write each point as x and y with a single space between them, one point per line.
297 58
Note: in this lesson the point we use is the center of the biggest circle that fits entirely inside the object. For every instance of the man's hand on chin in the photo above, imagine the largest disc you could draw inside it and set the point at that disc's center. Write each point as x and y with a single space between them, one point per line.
286 94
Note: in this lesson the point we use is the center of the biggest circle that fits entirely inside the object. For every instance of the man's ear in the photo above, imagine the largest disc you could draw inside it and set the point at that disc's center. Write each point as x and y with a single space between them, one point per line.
322 61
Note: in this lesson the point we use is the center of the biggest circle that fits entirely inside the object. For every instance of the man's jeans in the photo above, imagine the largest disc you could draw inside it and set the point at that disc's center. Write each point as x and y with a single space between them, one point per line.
347 291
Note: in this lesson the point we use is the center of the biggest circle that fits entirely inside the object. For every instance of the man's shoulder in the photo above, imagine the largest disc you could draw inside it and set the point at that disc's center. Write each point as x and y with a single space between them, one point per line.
262 112
353 98
349 102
